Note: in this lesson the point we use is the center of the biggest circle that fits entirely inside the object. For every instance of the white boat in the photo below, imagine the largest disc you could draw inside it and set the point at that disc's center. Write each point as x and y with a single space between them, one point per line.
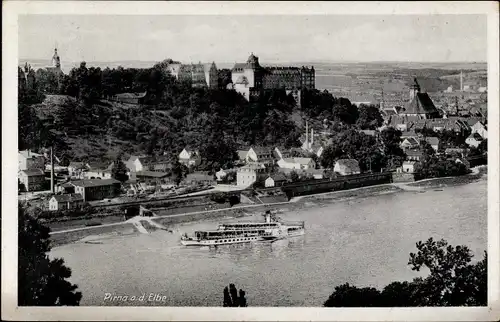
245 232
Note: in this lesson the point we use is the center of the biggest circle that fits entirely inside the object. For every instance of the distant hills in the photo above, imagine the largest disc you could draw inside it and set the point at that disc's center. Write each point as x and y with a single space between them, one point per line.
318 65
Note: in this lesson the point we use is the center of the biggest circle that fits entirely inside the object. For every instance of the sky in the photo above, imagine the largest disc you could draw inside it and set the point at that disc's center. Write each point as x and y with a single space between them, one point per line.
274 39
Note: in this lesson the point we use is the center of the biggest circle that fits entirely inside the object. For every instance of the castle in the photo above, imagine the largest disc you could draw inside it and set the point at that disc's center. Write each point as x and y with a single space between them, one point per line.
200 75
250 79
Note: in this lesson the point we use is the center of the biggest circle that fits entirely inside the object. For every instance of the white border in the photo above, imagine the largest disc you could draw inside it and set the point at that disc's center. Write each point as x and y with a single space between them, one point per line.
9 164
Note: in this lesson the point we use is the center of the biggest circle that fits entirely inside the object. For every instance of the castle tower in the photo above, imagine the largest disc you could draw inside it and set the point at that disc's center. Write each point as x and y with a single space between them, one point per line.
56 61
414 89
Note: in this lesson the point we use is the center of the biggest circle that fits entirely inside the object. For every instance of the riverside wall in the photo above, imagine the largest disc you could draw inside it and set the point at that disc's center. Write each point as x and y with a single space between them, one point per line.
334 184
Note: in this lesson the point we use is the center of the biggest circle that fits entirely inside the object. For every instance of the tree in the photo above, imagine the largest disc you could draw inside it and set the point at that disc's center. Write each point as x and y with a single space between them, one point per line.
369 117
178 172
232 299
41 281
453 281
119 170
294 176
391 138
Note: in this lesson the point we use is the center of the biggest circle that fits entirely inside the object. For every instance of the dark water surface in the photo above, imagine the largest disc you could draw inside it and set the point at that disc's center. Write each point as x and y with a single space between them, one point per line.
365 242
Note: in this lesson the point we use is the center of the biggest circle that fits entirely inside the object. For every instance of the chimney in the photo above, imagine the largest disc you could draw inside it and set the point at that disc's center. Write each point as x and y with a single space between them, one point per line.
312 137
52 188
461 81
307 138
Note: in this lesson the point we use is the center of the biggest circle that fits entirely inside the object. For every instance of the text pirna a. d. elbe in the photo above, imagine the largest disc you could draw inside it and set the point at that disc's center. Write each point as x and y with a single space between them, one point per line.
151 297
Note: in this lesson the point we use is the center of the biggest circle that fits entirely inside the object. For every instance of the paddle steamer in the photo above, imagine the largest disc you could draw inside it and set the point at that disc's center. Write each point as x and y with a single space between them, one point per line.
245 232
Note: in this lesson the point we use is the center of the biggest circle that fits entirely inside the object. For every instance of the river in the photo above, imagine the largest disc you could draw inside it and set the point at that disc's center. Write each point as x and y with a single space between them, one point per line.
365 242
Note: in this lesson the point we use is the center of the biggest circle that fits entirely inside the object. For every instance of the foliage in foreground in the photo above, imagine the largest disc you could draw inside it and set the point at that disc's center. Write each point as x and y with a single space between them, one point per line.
453 281
232 299
41 281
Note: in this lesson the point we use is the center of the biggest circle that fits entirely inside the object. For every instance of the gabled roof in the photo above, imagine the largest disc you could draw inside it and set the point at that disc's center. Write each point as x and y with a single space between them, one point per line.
28 154
77 165
68 197
33 172
278 176
239 66
408 134
262 150
100 165
421 104
94 182
302 161
412 141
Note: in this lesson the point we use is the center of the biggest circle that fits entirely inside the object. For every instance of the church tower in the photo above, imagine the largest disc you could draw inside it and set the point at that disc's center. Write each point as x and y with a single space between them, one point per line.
414 89
56 61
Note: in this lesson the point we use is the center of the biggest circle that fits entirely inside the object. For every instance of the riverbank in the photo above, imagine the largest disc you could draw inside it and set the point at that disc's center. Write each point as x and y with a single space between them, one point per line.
65 237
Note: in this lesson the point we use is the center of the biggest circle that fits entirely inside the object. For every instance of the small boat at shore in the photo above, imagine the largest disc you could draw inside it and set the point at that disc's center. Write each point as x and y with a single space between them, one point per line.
245 232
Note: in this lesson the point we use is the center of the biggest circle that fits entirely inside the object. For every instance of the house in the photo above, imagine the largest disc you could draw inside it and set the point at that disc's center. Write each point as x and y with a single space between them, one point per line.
316 173
414 155
250 173
148 163
346 167
29 160
297 163
452 151
76 169
130 98
96 189
474 140
260 154
410 143
275 180
200 178
433 141
189 157
409 166
32 179
65 202
96 170
480 128
281 152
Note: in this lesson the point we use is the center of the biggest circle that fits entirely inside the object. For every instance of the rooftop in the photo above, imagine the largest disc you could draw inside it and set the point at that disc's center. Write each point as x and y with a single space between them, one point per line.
34 172
68 197
94 182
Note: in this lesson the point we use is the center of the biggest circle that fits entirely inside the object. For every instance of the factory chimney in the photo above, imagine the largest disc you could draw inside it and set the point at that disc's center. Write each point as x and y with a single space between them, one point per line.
307 138
52 188
461 81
